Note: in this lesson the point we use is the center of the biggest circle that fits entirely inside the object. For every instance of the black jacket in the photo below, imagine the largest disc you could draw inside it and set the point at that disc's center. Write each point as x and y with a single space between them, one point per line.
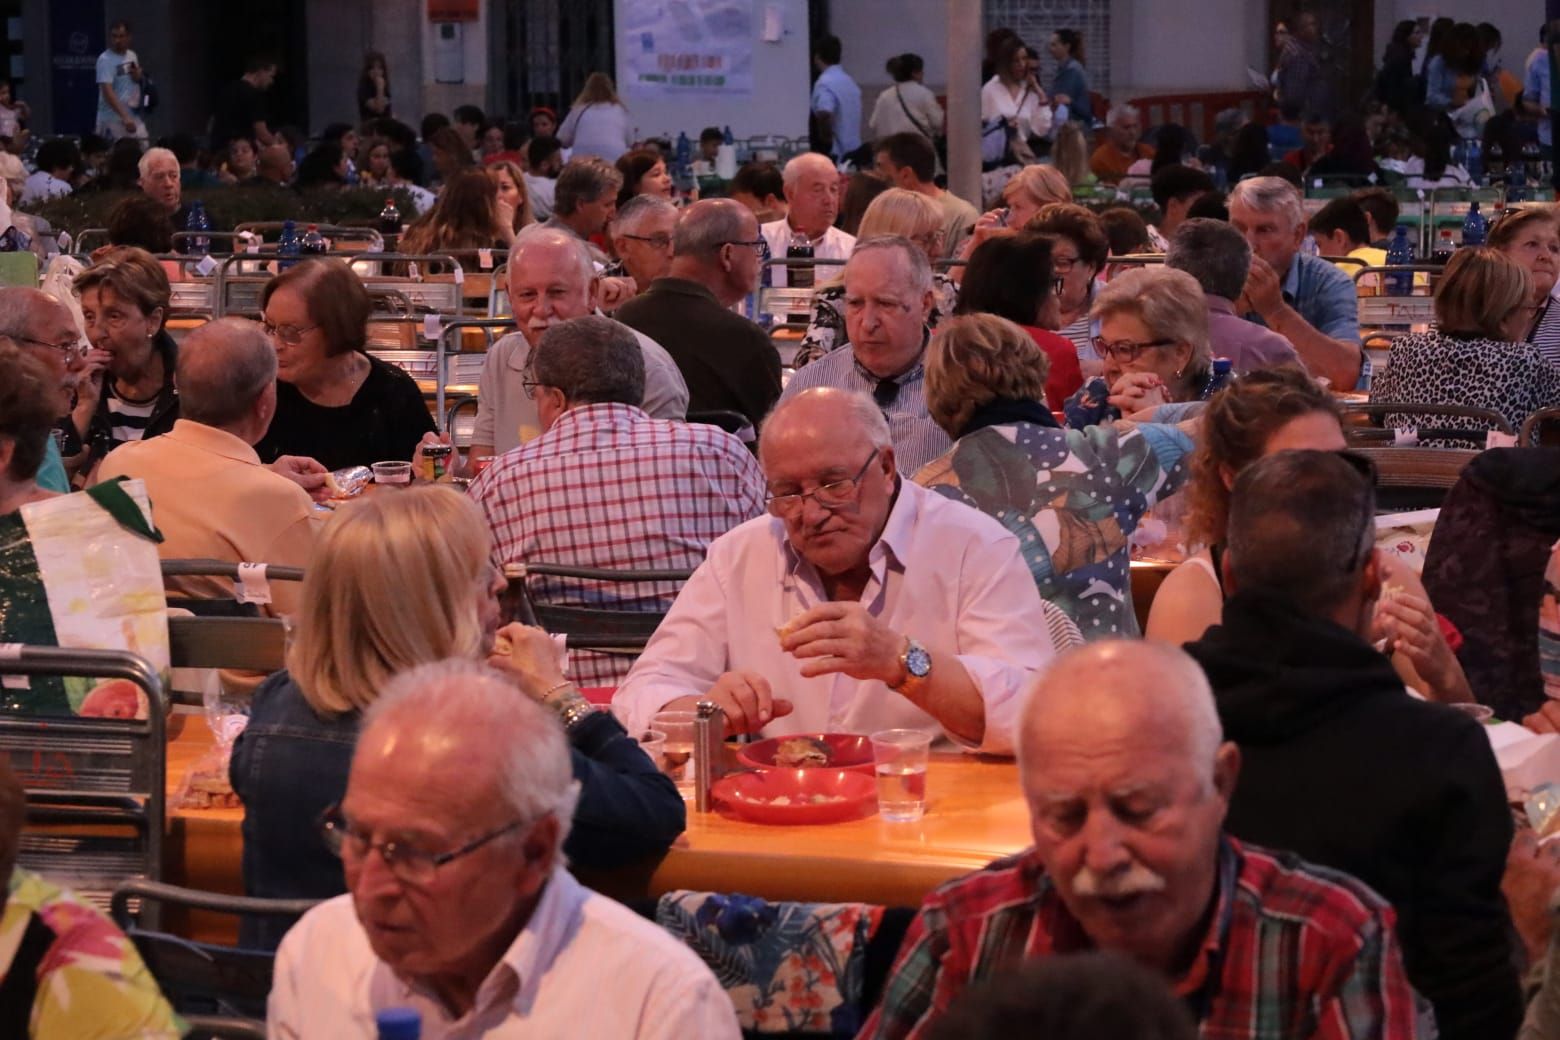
165 412
1343 766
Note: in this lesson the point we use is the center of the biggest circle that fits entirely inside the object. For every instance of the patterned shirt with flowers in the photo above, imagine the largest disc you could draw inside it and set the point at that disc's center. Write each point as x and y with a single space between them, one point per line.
67 971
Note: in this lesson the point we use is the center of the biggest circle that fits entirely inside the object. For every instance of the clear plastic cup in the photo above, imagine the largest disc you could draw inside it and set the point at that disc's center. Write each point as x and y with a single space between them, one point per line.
899 759
676 758
392 472
653 743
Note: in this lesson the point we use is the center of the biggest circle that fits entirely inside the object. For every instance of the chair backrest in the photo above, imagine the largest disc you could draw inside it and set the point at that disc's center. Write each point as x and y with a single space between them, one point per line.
734 423
1359 433
240 643
198 976
1408 479
96 787
219 607
1536 428
588 628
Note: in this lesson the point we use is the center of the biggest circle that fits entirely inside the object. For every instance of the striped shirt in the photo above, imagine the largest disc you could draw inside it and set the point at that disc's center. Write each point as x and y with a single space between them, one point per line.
1292 950
1546 333
917 439
129 418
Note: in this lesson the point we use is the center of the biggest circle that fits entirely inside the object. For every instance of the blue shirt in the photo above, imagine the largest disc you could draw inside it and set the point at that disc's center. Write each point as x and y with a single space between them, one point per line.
114 69
1072 80
1439 81
1326 298
1535 89
837 94
917 439
51 474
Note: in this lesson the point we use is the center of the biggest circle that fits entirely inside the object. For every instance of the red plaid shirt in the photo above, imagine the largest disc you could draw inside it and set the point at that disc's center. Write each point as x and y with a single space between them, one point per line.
610 487
1293 951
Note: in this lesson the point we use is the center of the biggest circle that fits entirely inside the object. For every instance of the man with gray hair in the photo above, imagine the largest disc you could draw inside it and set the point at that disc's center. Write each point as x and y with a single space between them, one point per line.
642 238
1128 781
1303 298
812 195
1217 255
1303 693
585 200
729 362
642 492
459 906
888 298
866 601
551 279
213 498
1122 144
160 182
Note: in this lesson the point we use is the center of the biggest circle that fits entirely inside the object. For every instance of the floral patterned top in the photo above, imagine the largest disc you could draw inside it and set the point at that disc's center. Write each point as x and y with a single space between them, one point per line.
84 976
1073 498
827 331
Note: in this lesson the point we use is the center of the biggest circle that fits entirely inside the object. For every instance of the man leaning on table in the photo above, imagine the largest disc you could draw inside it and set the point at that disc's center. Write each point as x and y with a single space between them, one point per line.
1128 780
862 602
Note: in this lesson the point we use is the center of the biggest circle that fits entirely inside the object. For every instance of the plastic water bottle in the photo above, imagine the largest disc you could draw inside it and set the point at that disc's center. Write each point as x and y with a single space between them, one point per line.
725 136
1444 247
1400 252
1473 226
1220 376
1516 182
313 243
398 1024
766 278
198 222
390 224
1473 162
288 245
684 153
799 249
1309 246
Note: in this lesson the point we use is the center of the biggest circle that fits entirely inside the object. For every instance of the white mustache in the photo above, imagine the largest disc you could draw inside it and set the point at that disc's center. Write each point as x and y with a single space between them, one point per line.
1135 880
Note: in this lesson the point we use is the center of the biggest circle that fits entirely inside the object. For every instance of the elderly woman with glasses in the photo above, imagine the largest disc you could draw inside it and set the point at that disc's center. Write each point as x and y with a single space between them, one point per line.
894 212
124 304
1153 340
334 402
1072 497
417 562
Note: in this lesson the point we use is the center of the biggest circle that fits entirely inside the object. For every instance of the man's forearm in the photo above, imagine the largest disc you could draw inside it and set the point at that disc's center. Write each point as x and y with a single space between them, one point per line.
113 100
263 134
1335 359
951 697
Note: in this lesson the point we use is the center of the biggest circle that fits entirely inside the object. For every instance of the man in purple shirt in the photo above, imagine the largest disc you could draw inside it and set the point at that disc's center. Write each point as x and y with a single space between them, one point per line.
1217 255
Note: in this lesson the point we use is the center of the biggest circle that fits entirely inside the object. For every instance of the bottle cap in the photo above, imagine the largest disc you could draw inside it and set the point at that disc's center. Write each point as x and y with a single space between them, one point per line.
398 1024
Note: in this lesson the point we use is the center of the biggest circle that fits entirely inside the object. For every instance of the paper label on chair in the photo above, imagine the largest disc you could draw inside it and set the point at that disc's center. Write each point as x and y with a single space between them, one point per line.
460 275
1497 439
13 652
10 651
252 586
207 266
433 328
485 259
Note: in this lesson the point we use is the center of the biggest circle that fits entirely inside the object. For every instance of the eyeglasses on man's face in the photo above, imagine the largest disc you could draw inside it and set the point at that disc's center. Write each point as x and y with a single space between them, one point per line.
406 861
833 495
656 241
70 349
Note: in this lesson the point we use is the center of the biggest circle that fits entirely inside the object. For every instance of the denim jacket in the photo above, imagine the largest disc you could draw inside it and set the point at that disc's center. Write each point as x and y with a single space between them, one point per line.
290 765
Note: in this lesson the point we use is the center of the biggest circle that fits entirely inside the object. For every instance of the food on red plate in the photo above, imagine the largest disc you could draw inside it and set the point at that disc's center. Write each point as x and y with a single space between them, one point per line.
802 751
115 699
801 799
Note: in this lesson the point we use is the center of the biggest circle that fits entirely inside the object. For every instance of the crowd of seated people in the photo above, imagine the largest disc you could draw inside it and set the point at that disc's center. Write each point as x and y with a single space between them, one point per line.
1257 802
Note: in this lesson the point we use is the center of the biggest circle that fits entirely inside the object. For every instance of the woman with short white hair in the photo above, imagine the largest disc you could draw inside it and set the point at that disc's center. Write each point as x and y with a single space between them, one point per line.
1153 340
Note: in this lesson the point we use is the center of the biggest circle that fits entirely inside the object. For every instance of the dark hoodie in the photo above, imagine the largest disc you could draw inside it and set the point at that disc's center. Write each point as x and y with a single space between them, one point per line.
1340 764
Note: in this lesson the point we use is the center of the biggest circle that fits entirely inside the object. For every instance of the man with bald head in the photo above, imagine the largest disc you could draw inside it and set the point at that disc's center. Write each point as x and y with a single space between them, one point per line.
459 904
865 601
273 166
44 327
812 195
888 299
1128 779
212 499
551 279
728 361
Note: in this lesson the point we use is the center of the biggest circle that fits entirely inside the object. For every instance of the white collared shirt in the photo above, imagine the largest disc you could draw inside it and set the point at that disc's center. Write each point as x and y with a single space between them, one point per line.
834 245
947 576
507 418
583 966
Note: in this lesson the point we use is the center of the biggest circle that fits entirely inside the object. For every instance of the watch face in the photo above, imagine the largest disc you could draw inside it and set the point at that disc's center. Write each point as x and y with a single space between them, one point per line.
917 661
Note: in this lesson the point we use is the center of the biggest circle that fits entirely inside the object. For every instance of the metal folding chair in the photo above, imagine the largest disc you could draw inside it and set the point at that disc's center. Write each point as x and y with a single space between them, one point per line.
1367 433
1409 479
588 628
96 787
1536 427
199 977
212 607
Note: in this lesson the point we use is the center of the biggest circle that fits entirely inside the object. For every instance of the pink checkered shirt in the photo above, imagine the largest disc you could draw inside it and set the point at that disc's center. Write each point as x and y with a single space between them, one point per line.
610 487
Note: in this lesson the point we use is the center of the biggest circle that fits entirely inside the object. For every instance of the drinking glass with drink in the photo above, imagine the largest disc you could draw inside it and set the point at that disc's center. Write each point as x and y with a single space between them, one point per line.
899 759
